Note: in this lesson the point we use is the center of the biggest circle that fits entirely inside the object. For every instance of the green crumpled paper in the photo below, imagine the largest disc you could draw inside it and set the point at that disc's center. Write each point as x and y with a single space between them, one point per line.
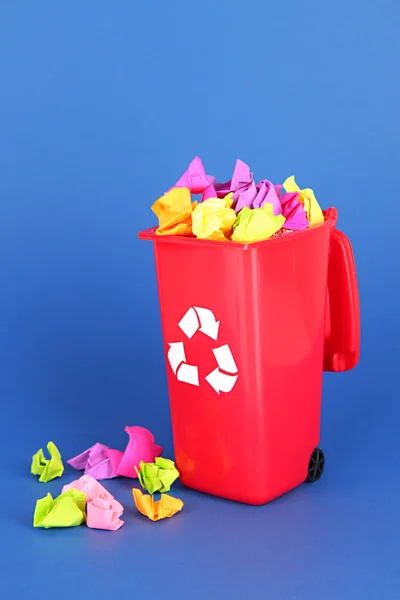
256 224
67 510
158 476
50 468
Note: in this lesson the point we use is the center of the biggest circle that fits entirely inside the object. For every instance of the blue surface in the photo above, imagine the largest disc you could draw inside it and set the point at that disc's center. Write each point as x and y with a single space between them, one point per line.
102 105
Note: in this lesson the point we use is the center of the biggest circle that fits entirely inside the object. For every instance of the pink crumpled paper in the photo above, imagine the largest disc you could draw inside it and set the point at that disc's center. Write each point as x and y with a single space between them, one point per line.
293 211
102 514
103 510
141 447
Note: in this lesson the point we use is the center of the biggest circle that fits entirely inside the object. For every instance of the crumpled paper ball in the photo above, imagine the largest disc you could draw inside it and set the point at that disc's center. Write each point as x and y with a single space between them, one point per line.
47 468
156 510
103 510
294 212
214 218
307 198
174 212
158 476
102 514
256 225
67 510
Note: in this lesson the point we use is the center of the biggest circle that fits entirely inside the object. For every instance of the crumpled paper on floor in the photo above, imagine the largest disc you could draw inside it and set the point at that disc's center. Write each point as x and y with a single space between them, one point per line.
158 476
92 489
67 510
103 510
102 514
164 508
102 462
95 461
141 447
50 468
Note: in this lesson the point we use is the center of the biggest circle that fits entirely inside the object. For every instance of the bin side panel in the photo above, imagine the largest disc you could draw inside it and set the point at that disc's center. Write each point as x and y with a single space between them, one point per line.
290 293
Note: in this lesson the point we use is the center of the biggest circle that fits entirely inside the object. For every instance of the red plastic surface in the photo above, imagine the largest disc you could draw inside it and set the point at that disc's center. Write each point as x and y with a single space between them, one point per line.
342 334
253 443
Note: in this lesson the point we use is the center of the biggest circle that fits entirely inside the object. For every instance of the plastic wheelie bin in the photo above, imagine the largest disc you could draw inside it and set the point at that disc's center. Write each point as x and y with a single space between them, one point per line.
248 330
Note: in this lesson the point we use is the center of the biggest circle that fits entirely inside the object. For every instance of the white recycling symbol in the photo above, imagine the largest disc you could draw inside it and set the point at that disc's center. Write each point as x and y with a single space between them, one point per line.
224 377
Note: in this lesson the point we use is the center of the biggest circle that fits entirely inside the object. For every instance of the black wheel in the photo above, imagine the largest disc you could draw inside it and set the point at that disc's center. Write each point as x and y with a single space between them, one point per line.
316 466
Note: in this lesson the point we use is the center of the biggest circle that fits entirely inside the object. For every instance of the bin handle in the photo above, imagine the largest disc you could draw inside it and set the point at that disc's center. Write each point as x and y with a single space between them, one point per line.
342 331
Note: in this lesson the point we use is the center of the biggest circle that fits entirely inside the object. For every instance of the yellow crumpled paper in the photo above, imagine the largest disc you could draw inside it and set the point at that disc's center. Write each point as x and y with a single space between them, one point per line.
308 200
214 219
174 212
257 224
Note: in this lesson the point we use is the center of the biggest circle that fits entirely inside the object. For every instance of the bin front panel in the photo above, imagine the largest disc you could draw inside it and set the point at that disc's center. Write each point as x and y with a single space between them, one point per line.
244 394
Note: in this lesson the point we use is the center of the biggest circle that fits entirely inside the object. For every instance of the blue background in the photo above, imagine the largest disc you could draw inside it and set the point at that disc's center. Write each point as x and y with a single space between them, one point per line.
102 106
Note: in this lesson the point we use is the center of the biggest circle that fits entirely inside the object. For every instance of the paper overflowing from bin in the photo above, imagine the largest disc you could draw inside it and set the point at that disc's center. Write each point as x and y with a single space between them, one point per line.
257 224
214 218
294 212
47 468
174 212
222 214
156 510
102 462
195 178
308 200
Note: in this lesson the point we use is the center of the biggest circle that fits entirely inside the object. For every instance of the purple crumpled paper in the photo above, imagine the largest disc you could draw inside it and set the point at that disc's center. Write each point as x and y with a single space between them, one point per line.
95 461
267 195
242 180
246 192
102 462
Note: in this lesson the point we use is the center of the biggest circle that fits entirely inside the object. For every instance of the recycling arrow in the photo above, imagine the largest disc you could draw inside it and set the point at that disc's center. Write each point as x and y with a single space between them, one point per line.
176 355
177 360
225 359
208 325
223 382
199 318
188 374
221 379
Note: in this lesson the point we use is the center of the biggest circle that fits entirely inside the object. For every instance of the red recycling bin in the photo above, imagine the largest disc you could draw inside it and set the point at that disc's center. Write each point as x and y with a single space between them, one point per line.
248 330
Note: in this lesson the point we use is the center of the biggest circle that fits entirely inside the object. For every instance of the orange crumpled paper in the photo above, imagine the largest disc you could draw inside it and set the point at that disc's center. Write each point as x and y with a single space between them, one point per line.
167 506
174 212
